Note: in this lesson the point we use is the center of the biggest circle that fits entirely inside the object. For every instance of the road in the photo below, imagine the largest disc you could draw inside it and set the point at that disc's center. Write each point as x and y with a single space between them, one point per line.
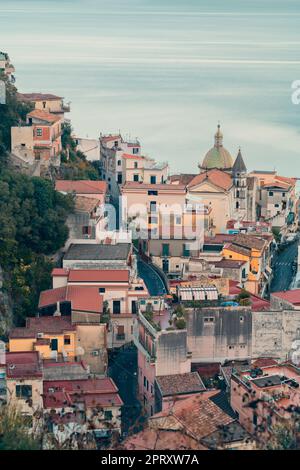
282 268
153 281
122 368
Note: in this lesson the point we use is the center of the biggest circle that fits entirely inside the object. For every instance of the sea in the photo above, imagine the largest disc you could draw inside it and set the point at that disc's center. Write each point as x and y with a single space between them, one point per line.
167 71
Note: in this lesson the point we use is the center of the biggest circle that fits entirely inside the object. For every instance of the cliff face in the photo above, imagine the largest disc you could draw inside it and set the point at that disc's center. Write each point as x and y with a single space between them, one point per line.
6 314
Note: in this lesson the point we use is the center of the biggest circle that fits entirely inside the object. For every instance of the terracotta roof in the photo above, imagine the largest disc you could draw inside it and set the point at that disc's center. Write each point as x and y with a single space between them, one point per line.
46 325
249 241
264 362
91 392
292 296
198 416
108 138
152 439
228 263
182 178
179 384
85 204
217 177
37 97
43 116
237 249
82 298
59 272
23 365
129 156
98 275
219 238
257 303
81 186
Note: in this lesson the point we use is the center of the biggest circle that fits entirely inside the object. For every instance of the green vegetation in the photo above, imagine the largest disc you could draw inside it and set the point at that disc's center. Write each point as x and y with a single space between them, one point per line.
243 298
14 434
32 226
74 165
11 114
276 234
32 222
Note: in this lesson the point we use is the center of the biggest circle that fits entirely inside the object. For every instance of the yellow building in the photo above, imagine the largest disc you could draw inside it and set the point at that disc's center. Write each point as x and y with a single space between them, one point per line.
50 336
256 251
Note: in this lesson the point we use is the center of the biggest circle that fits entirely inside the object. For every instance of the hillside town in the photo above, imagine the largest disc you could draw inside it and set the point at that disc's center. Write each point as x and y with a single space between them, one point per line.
172 318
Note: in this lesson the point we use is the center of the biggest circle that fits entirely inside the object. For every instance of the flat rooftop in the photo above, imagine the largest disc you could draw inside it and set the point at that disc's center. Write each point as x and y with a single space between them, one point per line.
81 251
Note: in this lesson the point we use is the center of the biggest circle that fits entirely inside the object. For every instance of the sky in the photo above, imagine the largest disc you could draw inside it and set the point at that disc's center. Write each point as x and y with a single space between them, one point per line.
166 71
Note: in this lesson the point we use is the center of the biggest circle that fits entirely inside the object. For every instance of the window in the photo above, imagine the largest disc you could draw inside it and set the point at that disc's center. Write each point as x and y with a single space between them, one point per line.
119 162
283 194
135 150
152 193
153 207
145 381
276 205
116 306
186 250
271 193
67 339
44 104
120 333
135 164
101 290
208 319
86 230
108 415
242 319
24 391
39 132
165 249
136 178
237 205
178 220
152 179
152 220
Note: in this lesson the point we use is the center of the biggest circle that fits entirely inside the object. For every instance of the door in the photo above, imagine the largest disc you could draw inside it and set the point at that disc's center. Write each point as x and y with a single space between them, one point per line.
133 307
116 306
54 344
165 264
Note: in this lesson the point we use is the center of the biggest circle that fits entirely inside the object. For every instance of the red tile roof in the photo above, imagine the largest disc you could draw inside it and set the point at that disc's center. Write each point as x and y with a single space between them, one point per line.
292 296
23 365
82 298
46 325
129 156
257 303
43 116
37 97
216 177
108 138
81 186
91 392
98 275
59 272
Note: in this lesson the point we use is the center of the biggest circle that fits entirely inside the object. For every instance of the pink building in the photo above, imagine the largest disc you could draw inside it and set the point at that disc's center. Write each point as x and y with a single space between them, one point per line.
272 387
121 293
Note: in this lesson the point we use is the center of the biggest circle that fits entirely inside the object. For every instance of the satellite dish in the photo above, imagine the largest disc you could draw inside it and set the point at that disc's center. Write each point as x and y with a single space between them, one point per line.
79 351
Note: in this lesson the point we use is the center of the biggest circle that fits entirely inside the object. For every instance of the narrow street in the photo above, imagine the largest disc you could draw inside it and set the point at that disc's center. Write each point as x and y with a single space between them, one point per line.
282 268
122 368
153 281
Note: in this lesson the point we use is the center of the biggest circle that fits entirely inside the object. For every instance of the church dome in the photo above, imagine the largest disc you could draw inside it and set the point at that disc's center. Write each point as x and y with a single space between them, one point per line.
218 156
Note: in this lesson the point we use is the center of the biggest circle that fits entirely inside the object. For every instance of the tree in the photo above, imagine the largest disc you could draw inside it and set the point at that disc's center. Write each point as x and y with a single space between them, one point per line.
14 433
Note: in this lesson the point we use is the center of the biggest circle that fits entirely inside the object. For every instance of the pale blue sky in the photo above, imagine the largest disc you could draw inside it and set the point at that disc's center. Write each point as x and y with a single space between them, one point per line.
167 71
